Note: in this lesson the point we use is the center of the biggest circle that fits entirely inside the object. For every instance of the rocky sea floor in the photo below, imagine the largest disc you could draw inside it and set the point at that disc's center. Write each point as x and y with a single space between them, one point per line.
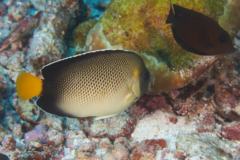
198 121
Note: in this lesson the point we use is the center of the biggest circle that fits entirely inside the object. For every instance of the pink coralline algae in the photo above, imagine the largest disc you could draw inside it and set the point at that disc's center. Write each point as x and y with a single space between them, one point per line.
207 125
231 131
147 149
21 30
39 133
224 97
153 102
173 120
9 143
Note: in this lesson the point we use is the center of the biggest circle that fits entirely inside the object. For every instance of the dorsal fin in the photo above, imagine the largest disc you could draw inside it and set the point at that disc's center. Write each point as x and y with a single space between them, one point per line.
51 69
171 14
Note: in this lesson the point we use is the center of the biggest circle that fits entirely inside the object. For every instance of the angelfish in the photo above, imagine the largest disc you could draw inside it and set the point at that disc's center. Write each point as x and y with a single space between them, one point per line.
3 157
198 33
99 83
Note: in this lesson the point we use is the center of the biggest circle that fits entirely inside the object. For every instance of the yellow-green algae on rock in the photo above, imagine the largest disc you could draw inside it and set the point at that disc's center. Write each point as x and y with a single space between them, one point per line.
80 34
139 25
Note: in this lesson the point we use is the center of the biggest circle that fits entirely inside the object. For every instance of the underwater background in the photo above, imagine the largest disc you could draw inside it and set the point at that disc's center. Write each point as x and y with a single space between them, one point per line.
191 112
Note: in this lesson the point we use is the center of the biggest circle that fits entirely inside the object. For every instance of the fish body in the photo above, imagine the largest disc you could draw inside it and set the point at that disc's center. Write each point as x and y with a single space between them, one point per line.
99 83
198 33
3 157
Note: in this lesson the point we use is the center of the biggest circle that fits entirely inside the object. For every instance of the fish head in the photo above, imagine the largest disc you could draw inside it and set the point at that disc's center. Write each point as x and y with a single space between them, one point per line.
223 43
146 80
142 82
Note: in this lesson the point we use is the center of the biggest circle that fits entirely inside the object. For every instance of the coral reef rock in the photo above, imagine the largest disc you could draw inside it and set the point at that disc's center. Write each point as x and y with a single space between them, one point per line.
21 30
48 41
140 26
113 127
147 149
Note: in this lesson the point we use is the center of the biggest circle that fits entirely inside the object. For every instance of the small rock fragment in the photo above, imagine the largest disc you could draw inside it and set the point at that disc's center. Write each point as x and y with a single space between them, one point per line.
104 147
121 125
55 136
231 131
105 144
147 149
207 125
120 151
3 132
54 122
14 125
3 9
75 139
72 124
15 61
9 143
180 154
173 120
17 12
153 102
21 30
39 132
33 155
39 4
33 145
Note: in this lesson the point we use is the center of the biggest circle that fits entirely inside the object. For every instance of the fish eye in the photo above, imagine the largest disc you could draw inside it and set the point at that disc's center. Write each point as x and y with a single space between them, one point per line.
222 39
146 75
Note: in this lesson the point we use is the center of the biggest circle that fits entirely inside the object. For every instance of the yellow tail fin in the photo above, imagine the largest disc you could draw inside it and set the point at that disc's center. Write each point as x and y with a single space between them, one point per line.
28 86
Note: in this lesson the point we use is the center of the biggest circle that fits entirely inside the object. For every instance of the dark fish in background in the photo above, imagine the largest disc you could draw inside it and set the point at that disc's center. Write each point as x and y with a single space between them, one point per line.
3 157
99 83
198 33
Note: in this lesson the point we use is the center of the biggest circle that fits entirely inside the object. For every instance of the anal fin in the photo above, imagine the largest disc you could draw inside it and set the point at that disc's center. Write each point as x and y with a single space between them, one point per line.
103 117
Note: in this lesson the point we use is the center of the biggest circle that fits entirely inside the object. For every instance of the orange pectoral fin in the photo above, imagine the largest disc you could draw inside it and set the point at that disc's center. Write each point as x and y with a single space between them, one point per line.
28 86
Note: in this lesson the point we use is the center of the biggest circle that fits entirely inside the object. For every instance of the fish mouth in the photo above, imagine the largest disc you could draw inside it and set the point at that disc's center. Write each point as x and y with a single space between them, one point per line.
151 82
233 50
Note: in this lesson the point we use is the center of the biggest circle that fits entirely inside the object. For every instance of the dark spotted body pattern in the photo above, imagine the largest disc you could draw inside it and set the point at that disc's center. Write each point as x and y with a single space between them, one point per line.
93 84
